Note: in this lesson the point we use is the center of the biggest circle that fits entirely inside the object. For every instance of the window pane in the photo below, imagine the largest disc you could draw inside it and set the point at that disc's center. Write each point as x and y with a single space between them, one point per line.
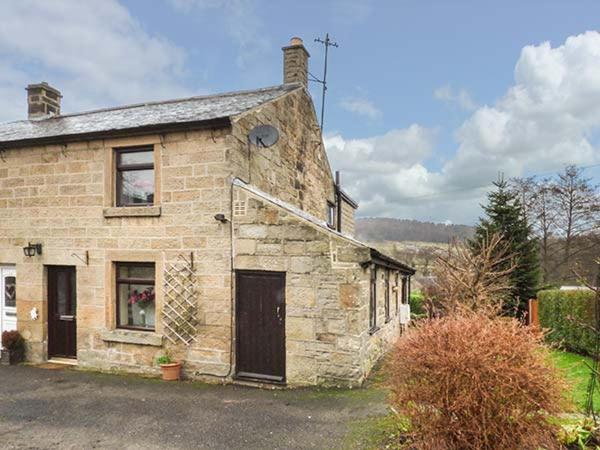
136 305
330 214
145 157
10 292
61 293
137 272
137 186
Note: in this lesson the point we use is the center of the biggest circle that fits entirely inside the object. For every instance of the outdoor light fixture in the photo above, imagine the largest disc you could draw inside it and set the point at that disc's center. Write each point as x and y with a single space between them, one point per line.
221 218
32 250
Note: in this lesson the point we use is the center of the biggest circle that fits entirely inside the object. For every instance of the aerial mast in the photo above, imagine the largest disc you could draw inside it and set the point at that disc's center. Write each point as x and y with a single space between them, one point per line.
327 42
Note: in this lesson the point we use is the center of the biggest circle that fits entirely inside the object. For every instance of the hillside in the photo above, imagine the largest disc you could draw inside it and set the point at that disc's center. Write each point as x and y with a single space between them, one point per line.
381 229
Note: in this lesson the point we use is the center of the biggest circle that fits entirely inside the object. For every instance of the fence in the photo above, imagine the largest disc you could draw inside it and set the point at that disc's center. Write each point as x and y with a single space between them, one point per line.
533 317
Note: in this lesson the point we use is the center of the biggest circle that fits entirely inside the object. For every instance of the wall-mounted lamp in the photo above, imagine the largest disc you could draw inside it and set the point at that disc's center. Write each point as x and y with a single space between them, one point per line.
32 250
221 218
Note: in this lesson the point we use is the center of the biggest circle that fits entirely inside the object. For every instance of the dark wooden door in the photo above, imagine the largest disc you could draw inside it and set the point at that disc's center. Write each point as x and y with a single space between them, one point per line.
260 314
62 307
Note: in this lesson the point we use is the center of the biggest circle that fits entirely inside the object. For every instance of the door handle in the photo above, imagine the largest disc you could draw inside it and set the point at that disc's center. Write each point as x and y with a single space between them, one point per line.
279 313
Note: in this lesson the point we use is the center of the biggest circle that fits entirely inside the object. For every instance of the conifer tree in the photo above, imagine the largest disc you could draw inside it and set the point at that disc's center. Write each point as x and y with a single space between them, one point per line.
505 215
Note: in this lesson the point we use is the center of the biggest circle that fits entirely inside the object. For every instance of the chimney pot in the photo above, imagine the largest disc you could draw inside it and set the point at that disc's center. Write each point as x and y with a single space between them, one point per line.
295 62
42 100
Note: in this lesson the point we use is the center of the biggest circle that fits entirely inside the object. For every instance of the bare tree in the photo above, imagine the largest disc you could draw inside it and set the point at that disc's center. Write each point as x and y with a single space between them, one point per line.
564 214
537 200
527 190
545 222
469 279
578 209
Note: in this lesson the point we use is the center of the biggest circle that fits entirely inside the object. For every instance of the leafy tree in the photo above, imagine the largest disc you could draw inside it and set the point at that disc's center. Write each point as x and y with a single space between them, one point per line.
505 215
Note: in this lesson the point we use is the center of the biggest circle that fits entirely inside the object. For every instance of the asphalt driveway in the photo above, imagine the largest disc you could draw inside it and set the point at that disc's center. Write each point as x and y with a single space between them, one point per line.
41 408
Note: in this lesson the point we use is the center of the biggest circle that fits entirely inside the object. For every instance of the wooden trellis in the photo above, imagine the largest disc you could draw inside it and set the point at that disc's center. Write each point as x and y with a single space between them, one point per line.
180 309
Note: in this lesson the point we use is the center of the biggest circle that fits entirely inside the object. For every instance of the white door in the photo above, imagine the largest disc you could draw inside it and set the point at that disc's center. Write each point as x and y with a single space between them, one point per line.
8 298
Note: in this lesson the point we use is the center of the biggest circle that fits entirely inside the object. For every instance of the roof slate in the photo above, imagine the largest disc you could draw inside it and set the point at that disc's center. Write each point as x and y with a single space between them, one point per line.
194 109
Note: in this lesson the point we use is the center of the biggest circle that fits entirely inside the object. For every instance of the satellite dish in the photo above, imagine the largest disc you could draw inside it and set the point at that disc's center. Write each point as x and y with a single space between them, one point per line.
263 136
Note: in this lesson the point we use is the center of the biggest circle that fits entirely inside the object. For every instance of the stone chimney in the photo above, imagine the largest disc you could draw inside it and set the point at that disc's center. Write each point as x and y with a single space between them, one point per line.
42 100
295 62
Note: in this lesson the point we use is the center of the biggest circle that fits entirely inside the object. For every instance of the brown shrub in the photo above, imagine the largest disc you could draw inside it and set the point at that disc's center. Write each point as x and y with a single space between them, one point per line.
476 382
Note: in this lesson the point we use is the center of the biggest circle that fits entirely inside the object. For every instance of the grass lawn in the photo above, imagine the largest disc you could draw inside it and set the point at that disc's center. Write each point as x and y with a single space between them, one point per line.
578 374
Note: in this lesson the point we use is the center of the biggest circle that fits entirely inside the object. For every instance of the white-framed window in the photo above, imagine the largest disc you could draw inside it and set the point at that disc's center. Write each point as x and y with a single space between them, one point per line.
331 214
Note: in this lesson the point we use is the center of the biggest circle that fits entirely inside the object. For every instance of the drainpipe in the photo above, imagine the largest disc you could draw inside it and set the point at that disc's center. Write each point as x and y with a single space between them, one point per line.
338 193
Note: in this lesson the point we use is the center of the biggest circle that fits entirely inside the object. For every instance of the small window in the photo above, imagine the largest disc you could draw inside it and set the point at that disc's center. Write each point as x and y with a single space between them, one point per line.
387 295
135 176
373 302
330 214
405 290
135 296
239 208
397 291
10 292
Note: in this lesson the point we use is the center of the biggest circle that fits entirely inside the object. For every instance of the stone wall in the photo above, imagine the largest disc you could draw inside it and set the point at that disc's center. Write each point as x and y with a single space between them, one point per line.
348 221
327 292
296 168
388 329
62 198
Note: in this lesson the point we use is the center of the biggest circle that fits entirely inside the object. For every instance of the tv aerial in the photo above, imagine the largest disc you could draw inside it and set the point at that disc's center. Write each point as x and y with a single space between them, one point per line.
327 42
263 136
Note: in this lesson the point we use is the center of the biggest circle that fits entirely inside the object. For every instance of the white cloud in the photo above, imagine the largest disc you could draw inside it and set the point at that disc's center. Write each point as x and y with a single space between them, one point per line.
96 53
461 97
383 170
361 106
242 24
550 117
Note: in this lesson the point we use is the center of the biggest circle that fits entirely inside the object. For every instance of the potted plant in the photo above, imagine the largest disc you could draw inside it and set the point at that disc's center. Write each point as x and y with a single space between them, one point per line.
13 347
143 300
171 370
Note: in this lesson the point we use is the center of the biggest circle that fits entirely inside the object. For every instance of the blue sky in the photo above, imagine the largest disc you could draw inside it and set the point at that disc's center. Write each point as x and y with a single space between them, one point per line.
427 99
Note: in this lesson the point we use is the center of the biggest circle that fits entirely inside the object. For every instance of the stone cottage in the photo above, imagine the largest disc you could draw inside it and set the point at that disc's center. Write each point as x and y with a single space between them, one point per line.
209 227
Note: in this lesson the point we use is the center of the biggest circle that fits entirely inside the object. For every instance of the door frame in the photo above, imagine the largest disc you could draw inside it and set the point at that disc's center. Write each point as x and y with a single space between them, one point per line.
258 377
51 306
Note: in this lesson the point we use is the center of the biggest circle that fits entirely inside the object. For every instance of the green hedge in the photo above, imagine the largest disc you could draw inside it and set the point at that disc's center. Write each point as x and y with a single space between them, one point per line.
417 307
564 314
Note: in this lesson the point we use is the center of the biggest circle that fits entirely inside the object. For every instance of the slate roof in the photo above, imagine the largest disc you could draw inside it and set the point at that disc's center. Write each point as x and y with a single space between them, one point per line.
145 116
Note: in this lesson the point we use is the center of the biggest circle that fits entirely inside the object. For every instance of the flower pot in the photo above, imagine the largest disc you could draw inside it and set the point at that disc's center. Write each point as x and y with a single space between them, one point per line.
4 357
171 372
11 356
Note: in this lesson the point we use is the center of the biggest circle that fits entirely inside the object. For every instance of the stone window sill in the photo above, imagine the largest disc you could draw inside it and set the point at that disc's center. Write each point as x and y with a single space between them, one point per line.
133 211
133 337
